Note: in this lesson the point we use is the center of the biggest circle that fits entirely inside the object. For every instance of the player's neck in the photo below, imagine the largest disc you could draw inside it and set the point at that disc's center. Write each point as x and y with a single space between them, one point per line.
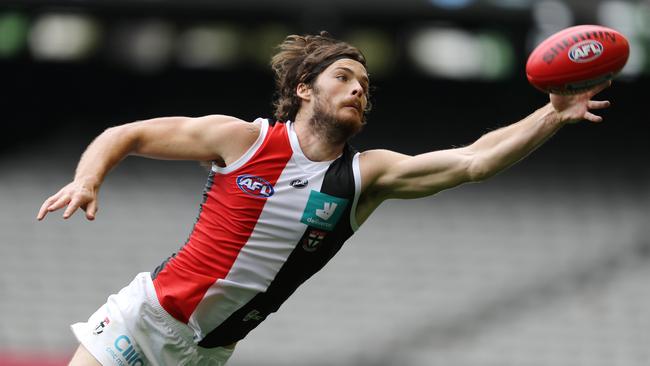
315 144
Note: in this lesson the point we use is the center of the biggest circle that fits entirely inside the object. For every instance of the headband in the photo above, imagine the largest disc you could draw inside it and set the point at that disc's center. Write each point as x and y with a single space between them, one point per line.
325 64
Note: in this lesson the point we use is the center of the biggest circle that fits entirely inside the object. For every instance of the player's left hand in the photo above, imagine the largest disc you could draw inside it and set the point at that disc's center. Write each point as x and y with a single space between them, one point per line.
576 107
77 194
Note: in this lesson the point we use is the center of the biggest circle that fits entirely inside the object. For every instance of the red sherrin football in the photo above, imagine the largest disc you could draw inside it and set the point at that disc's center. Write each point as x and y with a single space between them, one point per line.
576 59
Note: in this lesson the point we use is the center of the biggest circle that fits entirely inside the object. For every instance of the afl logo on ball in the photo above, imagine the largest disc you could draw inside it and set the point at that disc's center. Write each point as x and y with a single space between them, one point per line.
586 51
255 186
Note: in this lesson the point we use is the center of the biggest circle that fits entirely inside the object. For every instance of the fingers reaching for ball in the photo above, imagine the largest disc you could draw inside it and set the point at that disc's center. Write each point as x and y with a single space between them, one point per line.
598 104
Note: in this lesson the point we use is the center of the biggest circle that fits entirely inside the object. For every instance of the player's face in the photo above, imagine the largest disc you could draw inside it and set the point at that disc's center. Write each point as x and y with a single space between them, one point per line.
341 90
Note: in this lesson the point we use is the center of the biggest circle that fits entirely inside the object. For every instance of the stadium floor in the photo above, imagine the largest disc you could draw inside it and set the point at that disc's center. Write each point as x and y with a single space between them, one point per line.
525 269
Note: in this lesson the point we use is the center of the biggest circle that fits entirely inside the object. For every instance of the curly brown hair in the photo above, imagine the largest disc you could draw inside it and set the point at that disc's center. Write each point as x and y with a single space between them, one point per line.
300 60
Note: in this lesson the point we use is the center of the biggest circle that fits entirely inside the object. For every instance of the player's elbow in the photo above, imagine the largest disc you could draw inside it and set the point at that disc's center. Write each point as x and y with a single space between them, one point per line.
478 169
122 135
113 133
120 130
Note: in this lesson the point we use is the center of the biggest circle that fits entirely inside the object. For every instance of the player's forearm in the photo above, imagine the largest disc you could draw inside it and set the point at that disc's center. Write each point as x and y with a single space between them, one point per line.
104 153
499 149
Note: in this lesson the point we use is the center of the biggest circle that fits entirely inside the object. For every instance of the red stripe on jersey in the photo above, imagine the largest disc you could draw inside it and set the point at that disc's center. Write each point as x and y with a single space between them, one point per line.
227 219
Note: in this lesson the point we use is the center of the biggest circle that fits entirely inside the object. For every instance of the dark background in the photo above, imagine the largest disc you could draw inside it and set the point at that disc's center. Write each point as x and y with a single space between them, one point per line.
413 112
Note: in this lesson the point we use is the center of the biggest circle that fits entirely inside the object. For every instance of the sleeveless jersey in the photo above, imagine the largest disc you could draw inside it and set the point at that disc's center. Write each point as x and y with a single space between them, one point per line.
267 223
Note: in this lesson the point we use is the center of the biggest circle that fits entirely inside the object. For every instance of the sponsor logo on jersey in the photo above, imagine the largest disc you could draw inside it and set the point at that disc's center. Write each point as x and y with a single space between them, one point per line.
255 186
323 211
312 241
299 183
124 353
253 315
586 51
100 327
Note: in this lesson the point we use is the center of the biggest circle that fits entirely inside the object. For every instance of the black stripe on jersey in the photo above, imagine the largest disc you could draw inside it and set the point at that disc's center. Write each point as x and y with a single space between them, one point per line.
300 265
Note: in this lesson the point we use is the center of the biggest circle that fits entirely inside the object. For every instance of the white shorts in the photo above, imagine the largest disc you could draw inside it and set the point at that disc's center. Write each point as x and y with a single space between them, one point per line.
132 329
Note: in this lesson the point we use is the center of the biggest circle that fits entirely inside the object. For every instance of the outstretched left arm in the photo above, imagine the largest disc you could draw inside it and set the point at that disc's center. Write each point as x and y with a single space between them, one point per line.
386 174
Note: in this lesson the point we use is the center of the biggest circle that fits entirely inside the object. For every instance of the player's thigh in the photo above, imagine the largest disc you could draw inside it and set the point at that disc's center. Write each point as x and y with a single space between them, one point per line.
83 358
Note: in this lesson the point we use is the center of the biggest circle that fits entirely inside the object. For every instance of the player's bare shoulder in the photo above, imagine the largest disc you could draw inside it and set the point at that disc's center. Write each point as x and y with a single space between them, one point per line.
375 165
233 135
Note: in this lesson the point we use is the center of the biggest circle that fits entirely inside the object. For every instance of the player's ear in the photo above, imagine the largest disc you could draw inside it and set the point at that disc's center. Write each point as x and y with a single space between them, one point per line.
303 91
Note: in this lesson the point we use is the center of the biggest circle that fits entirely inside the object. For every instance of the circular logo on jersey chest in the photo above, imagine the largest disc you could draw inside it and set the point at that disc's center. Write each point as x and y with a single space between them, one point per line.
255 186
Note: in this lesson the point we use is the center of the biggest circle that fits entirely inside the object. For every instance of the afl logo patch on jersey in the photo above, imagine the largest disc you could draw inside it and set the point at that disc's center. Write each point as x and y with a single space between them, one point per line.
255 186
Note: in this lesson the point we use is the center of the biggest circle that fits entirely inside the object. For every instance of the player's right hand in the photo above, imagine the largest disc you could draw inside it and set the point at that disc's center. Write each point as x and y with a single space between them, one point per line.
74 195
576 107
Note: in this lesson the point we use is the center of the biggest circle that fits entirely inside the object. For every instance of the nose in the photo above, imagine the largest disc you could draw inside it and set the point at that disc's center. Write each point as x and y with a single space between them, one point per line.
358 90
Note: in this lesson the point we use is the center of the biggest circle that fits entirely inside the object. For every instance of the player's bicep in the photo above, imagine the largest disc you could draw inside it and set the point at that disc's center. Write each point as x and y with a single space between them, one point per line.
403 176
184 138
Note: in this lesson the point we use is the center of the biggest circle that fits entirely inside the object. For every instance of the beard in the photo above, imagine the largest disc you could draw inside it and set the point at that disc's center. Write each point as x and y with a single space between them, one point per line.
325 123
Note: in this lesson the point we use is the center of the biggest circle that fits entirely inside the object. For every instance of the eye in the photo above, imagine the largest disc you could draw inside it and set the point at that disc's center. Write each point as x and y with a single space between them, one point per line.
342 77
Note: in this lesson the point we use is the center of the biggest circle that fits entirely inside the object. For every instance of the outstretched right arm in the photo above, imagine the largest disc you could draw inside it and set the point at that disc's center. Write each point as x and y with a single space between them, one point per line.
215 137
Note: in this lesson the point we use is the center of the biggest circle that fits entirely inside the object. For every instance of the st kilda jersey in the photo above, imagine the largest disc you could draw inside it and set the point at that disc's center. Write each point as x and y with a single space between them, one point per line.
267 223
